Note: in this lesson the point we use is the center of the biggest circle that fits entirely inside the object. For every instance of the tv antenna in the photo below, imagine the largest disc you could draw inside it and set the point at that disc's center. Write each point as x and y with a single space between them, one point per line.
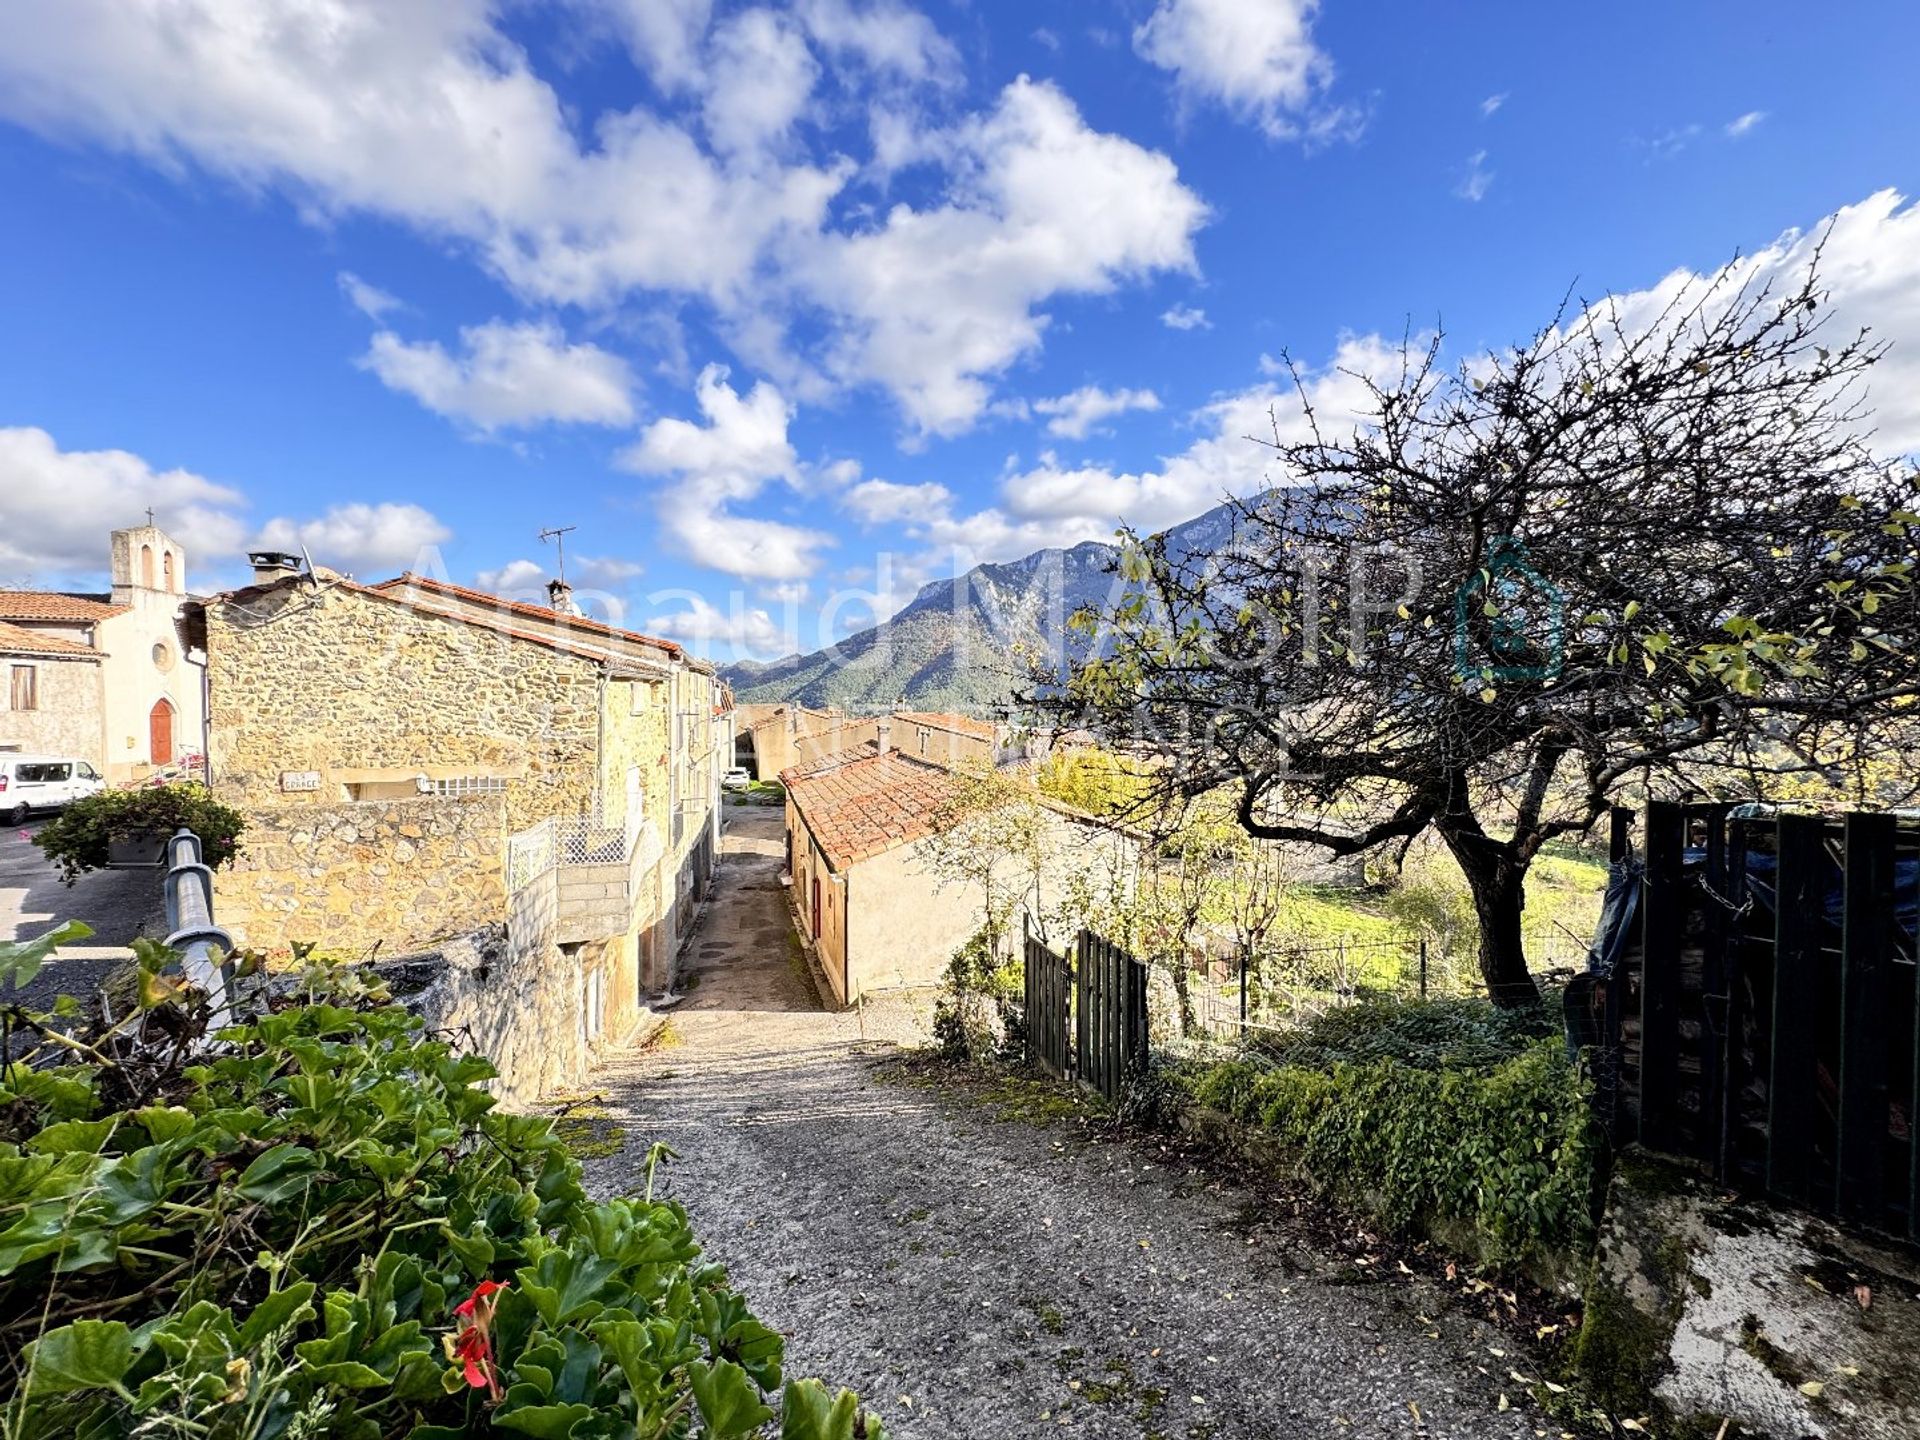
558 535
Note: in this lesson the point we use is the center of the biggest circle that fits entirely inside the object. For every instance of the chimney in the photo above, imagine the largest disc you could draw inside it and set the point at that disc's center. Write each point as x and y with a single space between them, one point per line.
560 597
883 733
270 566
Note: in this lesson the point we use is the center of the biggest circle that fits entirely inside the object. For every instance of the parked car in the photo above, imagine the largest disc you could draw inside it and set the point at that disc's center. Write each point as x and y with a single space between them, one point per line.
43 782
736 779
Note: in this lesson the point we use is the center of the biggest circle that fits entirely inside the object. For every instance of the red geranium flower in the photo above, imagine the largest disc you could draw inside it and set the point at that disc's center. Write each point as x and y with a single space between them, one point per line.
471 1345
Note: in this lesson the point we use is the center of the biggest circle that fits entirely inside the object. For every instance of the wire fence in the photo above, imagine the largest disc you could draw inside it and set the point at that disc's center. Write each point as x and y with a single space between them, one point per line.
1226 999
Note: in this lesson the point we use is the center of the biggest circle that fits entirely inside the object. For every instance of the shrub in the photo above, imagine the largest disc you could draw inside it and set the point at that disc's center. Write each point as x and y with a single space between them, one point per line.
1426 1034
1509 1149
324 1229
76 840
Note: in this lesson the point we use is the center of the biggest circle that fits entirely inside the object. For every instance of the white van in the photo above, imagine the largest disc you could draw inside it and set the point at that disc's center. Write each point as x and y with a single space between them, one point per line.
43 782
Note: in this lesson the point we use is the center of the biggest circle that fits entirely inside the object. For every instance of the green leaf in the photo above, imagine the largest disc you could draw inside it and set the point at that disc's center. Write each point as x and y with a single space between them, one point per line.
729 1402
74 1137
21 960
279 1174
283 1308
808 1413
545 1422
86 1355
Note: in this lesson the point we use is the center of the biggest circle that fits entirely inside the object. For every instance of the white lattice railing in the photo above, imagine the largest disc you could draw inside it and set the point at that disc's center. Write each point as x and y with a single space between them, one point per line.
530 854
578 839
590 840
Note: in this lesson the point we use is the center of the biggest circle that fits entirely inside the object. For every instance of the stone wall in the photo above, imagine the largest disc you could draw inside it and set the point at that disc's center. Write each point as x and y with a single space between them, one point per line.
407 873
341 686
67 718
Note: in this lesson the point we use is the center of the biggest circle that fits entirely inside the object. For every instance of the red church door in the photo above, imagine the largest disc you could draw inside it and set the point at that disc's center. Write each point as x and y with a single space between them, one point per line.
160 733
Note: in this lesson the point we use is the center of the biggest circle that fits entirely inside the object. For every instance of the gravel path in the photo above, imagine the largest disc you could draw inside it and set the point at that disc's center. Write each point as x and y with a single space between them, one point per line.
975 1276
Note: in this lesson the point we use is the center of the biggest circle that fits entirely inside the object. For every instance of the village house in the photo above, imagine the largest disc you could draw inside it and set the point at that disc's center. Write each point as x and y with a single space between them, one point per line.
776 737
871 905
104 677
417 761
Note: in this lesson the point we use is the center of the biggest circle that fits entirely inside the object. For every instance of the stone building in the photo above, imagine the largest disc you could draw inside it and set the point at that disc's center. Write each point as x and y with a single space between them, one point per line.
776 737
874 910
418 761
105 676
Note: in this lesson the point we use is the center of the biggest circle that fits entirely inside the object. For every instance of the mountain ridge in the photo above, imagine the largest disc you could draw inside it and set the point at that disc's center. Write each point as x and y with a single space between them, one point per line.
963 643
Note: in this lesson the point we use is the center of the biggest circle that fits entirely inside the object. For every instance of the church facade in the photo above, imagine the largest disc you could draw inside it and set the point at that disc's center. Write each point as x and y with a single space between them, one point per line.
105 676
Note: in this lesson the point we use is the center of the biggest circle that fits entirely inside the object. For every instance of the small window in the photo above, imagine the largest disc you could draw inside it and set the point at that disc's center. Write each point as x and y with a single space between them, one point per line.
26 688
162 656
166 568
457 785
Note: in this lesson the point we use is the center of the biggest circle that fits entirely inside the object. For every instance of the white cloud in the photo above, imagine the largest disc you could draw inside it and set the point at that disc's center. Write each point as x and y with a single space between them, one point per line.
1185 317
742 445
527 579
885 36
427 113
1075 415
1871 262
744 628
937 301
1477 181
361 539
507 375
731 458
1744 124
369 300
515 579
1257 58
759 80
883 502
56 507
1492 104
663 36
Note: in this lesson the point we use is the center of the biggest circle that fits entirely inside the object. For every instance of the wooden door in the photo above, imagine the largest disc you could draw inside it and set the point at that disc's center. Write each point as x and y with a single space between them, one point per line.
816 907
160 733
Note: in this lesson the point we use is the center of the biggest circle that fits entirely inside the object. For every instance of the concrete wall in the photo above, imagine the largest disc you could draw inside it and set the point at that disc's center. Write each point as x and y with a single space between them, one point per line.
897 921
407 873
66 720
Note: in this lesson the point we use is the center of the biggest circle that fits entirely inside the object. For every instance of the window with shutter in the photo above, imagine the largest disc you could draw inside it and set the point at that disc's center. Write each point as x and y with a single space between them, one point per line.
26 688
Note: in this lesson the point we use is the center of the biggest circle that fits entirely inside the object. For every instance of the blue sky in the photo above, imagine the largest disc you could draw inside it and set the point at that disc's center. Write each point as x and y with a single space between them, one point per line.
789 309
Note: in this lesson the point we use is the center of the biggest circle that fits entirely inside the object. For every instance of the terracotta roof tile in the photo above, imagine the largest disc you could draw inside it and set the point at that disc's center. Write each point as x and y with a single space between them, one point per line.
857 806
17 640
53 605
422 584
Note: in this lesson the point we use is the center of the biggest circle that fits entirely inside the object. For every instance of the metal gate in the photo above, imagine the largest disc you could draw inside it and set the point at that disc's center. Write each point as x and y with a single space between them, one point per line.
1049 981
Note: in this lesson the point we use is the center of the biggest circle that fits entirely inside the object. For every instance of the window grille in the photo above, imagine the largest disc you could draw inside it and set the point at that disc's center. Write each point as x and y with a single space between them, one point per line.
455 786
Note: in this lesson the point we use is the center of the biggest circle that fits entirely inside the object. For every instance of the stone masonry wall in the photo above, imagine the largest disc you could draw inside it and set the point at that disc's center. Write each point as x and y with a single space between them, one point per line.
352 686
407 873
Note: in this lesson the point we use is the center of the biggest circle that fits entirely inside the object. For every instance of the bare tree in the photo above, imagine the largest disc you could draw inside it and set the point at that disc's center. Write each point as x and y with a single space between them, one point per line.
1521 585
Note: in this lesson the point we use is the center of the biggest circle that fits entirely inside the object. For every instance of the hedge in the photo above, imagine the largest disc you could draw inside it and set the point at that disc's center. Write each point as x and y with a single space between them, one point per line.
325 1230
1509 1149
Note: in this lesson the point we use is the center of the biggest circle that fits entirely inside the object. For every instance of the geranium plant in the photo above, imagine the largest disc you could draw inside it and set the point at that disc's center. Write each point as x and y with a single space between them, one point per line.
324 1228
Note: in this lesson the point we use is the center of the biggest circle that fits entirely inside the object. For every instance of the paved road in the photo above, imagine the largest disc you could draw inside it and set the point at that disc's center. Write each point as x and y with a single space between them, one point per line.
977 1277
118 904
